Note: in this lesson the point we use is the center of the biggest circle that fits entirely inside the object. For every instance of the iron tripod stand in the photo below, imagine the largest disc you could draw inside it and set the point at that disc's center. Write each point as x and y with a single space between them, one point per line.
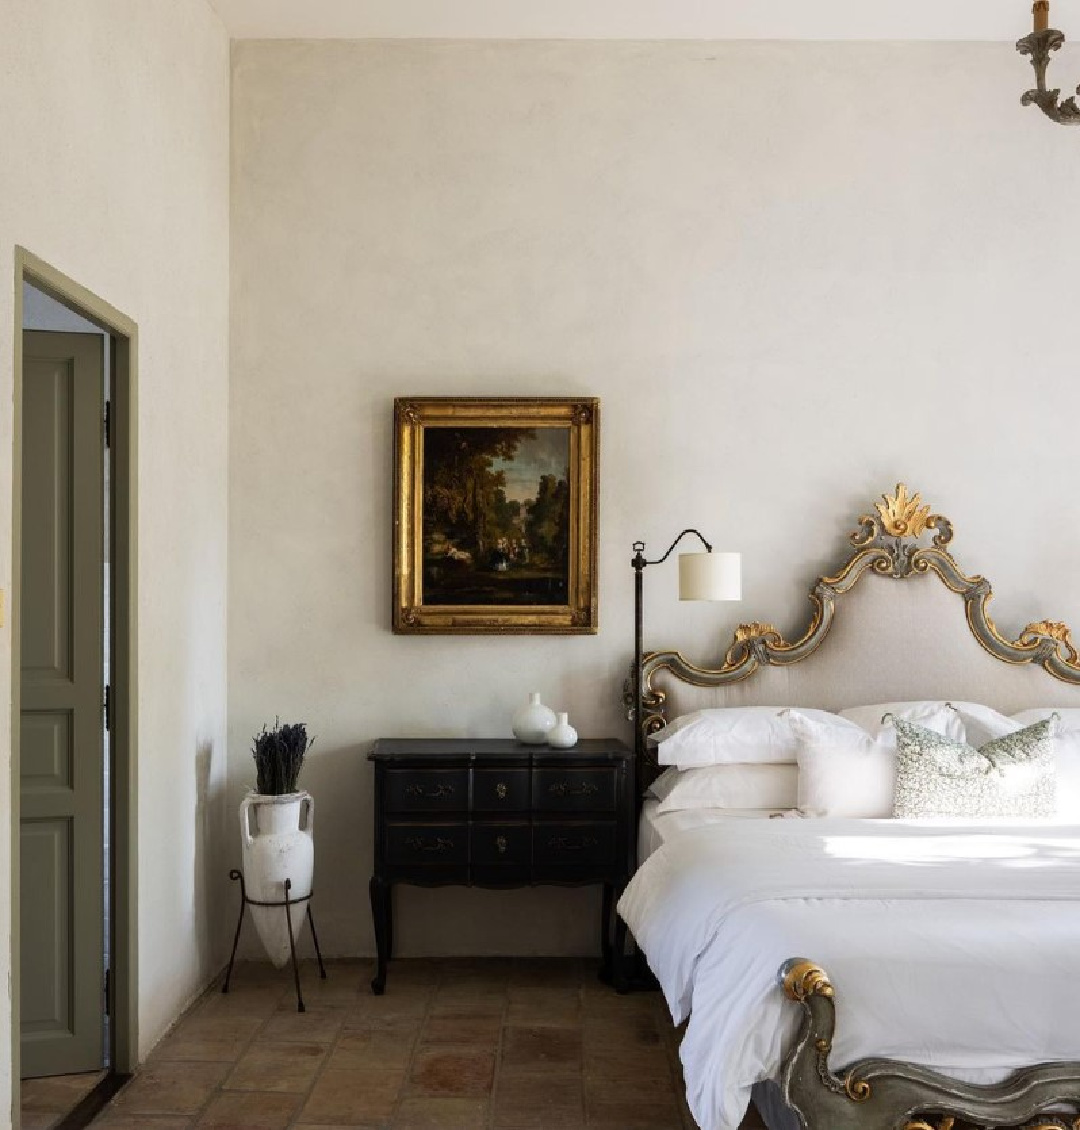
287 903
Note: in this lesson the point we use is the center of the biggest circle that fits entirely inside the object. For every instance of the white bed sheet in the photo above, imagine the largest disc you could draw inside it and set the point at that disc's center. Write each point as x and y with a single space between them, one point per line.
921 928
655 828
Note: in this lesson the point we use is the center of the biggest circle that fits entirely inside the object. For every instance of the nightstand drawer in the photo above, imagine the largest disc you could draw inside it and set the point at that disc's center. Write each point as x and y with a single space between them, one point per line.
581 845
427 790
502 844
574 790
409 844
500 790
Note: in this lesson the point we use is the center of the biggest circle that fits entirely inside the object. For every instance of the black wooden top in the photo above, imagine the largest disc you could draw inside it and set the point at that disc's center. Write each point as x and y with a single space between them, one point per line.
391 749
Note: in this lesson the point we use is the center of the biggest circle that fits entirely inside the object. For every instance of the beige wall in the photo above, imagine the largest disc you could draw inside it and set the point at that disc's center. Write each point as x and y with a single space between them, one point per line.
116 171
794 273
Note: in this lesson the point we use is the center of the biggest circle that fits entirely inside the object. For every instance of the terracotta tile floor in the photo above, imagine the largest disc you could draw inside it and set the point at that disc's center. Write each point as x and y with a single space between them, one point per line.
479 1044
44 1102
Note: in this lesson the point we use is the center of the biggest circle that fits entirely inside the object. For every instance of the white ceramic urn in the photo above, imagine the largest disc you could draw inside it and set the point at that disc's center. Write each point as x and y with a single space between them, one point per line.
278 845
562 735
533 721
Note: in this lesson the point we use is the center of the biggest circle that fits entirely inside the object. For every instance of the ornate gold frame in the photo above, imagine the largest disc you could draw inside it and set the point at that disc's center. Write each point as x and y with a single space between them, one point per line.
887 544
411 415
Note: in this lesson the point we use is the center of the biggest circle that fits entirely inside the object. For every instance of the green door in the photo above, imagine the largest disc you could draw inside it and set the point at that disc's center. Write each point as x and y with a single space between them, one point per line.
62 741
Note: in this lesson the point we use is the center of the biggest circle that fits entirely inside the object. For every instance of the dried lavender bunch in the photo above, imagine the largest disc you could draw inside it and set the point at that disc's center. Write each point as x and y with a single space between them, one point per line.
279 754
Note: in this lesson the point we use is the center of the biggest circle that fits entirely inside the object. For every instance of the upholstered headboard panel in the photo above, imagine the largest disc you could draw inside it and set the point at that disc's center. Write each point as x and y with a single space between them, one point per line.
898 621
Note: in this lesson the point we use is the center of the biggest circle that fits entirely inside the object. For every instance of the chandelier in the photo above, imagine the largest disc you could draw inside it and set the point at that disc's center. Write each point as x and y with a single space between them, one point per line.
1039 44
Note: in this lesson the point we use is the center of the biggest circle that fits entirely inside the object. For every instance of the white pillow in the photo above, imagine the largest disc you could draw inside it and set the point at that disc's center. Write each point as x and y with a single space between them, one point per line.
745 735
982 724
869 717
1011 776
727 786
844 770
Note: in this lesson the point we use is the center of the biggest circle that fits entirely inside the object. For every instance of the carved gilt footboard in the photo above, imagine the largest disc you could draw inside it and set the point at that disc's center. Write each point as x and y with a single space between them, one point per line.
885 1094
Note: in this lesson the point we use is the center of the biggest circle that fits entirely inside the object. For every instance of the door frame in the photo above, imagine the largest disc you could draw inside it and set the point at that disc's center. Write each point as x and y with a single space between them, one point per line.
124 333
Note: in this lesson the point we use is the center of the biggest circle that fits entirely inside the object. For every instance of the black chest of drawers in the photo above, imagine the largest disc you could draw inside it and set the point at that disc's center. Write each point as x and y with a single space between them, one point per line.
496 813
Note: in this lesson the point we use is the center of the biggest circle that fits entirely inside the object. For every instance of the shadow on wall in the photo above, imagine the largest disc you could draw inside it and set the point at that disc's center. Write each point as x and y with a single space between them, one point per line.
210 876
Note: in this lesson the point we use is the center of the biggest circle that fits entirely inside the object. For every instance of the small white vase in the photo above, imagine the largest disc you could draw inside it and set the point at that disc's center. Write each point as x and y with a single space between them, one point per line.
533 721
279 847
562 735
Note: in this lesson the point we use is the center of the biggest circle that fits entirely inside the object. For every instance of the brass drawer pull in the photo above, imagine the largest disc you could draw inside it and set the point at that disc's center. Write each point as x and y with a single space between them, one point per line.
501 790
435 793
564 788
418 843
500 844
561 843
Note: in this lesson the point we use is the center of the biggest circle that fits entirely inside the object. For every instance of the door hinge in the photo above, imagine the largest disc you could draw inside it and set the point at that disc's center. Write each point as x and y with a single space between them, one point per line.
108 423
108 992
108 707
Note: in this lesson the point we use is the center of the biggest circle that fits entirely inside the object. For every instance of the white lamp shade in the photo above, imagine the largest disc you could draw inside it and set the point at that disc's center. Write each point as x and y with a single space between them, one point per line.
710 576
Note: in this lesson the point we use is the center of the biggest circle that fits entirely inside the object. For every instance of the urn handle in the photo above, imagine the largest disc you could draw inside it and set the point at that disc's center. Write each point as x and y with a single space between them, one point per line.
307 815
245 821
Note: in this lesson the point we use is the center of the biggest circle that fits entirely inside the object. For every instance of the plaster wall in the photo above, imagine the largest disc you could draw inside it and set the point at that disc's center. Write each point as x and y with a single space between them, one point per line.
116 171
794 273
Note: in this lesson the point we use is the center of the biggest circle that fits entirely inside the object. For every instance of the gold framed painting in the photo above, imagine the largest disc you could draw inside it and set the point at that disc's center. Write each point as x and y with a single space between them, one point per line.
495 515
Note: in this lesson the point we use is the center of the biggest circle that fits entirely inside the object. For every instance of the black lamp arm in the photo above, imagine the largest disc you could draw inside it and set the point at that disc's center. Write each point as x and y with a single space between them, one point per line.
639 561
639 564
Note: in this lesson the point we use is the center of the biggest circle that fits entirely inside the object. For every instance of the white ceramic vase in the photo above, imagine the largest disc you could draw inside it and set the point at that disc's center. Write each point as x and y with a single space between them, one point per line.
562 735
533 721
278 845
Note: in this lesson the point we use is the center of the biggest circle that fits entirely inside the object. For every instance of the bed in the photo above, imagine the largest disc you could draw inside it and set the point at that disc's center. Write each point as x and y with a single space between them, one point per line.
862 974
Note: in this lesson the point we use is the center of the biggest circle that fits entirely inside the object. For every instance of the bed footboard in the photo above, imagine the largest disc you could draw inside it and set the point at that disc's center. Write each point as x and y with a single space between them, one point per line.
884 1094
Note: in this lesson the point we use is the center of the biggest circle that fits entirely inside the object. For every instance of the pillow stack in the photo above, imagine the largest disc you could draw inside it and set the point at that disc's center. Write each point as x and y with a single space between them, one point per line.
737 758
905 759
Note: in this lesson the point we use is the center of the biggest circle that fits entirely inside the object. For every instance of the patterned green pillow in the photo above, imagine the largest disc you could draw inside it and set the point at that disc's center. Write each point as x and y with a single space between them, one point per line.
1011 776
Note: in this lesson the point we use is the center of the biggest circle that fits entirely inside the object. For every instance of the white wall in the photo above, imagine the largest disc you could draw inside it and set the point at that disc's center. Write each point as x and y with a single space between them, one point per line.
116 171
794 273
1002 20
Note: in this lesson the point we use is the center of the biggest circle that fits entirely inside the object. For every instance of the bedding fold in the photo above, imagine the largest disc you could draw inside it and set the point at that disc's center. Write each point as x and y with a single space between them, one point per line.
923 927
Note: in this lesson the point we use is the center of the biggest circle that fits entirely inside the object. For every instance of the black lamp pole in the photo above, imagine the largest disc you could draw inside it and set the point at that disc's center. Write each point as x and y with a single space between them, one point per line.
639 563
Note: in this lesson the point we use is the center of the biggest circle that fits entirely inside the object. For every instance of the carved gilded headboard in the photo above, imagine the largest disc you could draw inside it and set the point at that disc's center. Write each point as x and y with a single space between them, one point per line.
883 645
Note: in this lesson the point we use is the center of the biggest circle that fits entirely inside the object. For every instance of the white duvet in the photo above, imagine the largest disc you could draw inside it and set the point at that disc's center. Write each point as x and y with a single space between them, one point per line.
949 944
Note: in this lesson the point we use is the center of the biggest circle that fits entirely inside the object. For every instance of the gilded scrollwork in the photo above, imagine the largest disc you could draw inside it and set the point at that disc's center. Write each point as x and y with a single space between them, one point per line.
903 515
804 979
1051 630
885 1094
891 541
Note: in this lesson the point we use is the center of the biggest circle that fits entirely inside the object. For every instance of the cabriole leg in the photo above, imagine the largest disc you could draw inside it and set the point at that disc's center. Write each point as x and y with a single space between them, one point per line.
379 890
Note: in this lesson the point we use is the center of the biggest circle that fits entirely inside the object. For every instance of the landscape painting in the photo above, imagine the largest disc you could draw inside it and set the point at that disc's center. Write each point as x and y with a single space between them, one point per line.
496 515
492 500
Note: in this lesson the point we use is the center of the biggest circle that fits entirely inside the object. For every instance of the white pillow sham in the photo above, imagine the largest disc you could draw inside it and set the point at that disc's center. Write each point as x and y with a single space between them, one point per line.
869 717
983 724
744 735
846 770
727 786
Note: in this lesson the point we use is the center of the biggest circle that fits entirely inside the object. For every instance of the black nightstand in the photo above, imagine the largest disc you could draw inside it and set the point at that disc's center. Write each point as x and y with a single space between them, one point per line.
497 813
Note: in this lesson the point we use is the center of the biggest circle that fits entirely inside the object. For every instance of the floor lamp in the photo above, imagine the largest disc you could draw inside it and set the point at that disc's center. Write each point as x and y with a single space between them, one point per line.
702 576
